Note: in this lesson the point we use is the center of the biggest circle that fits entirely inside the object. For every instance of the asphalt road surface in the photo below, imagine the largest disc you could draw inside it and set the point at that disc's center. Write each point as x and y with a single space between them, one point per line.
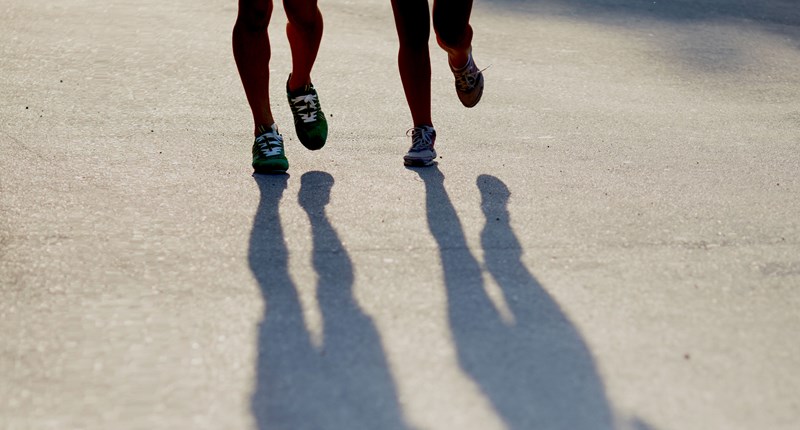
610 239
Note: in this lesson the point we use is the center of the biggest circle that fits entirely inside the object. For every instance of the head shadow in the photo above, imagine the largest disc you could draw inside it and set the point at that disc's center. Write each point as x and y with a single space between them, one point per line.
535 369
344 382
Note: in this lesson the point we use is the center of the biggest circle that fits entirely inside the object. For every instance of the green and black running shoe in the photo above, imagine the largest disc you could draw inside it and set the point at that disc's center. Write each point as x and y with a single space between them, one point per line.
268 153
309 120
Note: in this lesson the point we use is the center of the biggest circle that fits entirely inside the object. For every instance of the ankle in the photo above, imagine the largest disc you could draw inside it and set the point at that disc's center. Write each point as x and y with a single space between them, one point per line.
297 82
459 60
263 128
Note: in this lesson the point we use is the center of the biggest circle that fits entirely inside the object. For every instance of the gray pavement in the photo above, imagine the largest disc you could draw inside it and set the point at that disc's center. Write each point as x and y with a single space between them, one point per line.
609 241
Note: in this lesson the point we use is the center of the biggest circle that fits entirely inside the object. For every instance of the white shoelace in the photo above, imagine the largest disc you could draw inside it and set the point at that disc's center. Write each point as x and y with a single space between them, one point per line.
307 102
467 77
421 138
270 144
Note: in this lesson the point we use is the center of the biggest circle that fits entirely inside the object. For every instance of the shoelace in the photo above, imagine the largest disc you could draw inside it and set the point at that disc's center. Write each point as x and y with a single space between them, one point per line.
421 138
266 146
467 78
307 102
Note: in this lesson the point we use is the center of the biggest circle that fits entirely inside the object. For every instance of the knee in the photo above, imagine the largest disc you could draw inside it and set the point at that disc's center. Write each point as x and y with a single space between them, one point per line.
448 34
413 34
254 15
302 13
415 40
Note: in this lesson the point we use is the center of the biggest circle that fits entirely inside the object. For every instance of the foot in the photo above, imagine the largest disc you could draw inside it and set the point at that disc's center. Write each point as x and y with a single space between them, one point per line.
469 83
309 121
268 153
421 152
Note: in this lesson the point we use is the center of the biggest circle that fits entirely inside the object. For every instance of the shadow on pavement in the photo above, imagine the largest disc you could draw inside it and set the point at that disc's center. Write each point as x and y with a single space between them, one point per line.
343 384
685 40
536 370
783 12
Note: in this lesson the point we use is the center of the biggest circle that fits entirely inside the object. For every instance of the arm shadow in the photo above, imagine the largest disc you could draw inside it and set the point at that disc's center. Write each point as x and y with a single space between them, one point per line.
536 370
344 383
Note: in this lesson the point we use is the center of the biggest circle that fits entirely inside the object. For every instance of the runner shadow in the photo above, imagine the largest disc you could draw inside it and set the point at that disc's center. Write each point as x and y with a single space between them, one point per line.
536 371
342 384
763 13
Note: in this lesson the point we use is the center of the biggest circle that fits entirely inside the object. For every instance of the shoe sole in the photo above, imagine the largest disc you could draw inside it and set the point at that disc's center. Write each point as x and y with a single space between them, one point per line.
312 146
418 162
270 172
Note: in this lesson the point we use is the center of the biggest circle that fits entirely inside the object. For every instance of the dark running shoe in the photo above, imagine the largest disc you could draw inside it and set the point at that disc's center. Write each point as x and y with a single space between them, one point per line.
268 153
309 120
421 152
469 83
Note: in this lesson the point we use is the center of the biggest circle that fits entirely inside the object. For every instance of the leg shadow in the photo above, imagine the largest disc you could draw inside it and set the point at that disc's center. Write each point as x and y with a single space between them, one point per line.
536 370
345 383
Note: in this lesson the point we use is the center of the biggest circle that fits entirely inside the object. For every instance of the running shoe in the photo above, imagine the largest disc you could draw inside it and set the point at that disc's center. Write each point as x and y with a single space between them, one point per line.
469 83
268 153
309 120
421 152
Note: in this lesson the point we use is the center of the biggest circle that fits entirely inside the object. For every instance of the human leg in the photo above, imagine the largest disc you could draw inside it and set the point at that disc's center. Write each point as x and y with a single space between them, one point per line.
304 31
454 35
251 50
453 32
412 20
